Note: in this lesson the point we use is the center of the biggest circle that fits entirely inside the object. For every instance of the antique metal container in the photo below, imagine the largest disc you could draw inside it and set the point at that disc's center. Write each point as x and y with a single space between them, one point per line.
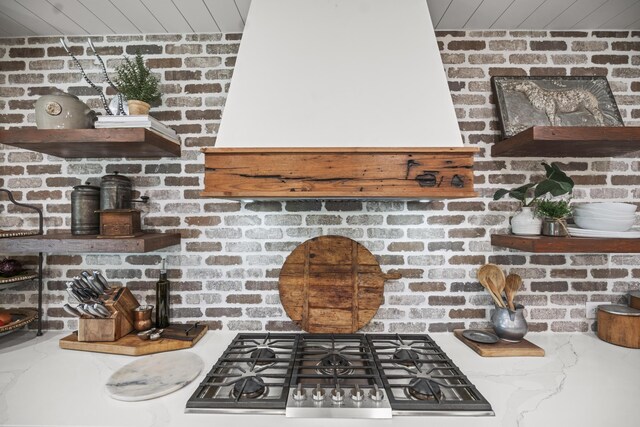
85 203
115 192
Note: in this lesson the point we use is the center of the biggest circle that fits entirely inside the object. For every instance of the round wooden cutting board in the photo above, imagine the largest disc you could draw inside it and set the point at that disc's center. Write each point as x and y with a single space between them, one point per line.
332 284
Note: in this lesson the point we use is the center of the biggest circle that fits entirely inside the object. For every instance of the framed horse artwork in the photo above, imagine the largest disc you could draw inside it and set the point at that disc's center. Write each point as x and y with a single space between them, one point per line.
523 102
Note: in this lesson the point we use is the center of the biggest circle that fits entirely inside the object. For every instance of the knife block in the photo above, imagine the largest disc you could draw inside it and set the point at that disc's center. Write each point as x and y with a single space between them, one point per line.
112 328
109 329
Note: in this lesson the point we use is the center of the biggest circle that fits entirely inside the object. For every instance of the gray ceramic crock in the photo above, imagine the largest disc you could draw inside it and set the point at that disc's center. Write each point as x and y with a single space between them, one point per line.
63 111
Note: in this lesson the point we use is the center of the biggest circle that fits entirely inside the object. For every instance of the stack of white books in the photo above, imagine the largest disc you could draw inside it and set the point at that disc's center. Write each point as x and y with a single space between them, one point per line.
138 121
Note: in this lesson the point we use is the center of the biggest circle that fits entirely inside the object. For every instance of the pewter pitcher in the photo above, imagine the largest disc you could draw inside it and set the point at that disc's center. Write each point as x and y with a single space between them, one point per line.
509 325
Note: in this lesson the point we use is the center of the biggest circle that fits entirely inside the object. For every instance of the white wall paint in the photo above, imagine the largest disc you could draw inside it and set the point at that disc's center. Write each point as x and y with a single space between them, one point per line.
357 73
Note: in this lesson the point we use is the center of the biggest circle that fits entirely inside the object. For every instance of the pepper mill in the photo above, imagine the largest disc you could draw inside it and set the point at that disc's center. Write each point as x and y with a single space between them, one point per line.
162 299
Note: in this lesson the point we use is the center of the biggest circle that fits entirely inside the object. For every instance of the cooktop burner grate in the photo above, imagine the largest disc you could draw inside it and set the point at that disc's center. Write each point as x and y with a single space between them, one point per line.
341 375
424 380
252 375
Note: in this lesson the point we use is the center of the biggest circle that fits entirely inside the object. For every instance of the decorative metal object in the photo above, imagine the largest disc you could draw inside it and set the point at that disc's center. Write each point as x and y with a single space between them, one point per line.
105 103
524 102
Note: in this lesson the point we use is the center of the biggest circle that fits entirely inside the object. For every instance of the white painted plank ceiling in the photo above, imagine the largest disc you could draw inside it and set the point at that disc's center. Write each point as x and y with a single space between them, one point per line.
56 17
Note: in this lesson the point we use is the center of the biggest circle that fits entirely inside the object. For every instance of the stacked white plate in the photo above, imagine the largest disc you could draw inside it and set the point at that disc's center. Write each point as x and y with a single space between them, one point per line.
603 217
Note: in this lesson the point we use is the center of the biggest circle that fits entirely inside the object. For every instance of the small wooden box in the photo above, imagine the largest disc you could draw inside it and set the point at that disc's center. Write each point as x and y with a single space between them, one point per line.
119 223
121 304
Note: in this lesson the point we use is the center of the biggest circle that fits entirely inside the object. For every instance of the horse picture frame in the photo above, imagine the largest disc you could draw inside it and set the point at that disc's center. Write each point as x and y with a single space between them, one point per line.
523 102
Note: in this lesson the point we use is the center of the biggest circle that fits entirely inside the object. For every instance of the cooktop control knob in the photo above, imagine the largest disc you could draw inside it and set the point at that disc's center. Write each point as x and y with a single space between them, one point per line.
317 393
357 394
376 394
337 394
299 394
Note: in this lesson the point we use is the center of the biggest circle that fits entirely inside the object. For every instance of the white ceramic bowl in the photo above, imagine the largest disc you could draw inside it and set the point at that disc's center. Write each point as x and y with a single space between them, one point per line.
610 215
608 207
596 223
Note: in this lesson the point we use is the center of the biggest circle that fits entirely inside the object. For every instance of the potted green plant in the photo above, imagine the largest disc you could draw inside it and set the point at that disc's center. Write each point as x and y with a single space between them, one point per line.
554 215
136 82
555 183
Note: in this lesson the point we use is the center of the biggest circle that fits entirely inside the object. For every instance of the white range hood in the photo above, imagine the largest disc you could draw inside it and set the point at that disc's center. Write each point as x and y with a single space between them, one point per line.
339 73
327 76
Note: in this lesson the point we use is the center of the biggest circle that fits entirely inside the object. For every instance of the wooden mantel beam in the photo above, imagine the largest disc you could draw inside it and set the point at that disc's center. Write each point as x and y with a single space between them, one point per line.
329 173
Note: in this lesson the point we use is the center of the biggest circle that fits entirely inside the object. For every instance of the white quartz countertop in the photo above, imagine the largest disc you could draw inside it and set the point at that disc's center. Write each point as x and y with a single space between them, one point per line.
581 382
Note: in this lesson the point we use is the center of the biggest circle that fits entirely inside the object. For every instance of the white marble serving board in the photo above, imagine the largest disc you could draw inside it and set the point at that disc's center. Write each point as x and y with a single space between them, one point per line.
154 376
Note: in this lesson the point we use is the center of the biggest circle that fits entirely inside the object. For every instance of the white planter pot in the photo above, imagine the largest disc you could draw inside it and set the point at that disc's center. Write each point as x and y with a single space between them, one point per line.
525 223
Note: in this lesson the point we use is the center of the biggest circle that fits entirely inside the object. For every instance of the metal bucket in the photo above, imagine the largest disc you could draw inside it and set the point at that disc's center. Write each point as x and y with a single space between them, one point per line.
85 203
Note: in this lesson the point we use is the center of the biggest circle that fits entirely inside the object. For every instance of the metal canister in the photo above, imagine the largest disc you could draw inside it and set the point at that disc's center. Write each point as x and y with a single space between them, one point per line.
115 192
85 203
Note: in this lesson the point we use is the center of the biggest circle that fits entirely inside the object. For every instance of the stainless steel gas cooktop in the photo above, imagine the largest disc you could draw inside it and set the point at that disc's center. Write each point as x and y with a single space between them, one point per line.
337 376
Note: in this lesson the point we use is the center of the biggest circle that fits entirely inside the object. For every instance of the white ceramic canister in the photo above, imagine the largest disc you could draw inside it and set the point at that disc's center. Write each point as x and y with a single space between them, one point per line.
526 223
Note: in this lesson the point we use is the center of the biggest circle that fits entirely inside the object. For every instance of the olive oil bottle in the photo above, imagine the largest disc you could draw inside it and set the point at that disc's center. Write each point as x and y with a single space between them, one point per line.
162 299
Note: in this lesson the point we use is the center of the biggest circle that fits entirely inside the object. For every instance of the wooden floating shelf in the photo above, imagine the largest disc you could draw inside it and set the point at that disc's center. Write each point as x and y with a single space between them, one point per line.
559 141
583 245
92 143
334 173
68 243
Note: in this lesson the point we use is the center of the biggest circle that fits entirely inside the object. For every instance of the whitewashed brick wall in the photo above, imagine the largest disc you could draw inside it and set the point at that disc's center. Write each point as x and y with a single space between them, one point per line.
225 272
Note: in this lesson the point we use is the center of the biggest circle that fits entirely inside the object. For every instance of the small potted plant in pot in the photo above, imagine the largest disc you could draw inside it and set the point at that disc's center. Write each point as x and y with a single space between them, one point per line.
555 183
554 215
135 81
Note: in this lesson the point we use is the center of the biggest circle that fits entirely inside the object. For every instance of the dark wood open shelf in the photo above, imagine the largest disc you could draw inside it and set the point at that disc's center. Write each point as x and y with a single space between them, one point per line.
584 245
68 243
558 141
92 143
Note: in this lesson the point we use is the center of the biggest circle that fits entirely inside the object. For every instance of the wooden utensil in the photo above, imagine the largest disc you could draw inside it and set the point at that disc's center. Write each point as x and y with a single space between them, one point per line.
331 284
513 283
489 275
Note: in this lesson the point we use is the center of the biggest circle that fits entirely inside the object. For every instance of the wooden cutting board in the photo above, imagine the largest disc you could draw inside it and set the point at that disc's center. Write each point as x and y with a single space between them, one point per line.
523 348
131 345
332 284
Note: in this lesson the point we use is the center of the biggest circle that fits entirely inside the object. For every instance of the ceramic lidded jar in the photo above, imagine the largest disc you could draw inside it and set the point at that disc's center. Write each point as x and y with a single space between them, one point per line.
63 111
